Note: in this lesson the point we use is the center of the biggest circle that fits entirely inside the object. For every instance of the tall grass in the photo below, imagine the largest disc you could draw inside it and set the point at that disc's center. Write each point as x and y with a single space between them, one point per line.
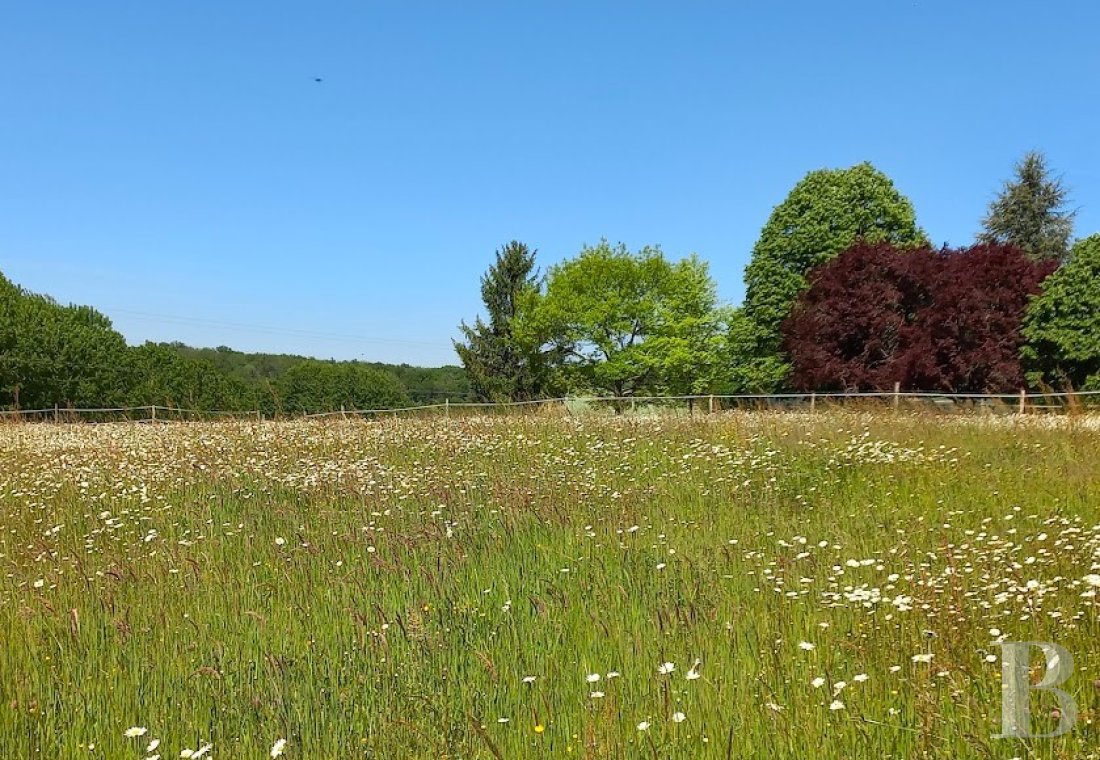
450 588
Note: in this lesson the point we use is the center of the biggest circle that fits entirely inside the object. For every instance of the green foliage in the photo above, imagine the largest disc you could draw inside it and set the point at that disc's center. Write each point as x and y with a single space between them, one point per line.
499 365
70 356
1030 212
824 214
630 323
162 376
1062 327
424 385
430 385
752 370
688 345
255 369
57 355
319 386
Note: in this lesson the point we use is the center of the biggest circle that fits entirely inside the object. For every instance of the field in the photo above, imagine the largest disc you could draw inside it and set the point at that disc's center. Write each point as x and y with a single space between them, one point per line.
738 585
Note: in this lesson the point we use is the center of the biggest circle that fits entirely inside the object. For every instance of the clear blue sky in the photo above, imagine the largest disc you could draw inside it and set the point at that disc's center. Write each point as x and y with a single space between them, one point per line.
169 159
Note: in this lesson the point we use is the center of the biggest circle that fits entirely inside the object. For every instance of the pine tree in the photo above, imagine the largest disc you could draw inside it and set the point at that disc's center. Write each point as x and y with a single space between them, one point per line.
1030 212
499 365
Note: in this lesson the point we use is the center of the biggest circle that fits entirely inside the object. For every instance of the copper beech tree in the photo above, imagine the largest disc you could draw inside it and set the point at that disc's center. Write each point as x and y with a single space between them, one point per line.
946 320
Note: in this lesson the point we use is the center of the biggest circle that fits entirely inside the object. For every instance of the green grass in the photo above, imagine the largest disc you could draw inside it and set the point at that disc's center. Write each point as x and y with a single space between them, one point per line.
382 589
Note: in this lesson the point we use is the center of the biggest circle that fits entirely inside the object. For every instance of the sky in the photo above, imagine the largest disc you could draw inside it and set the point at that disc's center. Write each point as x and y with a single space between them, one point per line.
177 165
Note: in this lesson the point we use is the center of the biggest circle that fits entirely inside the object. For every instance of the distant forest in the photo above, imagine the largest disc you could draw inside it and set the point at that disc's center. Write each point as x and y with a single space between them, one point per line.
53 355
423 385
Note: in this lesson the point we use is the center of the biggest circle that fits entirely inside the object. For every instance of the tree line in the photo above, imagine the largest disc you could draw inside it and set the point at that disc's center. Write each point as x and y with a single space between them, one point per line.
843 292
71 357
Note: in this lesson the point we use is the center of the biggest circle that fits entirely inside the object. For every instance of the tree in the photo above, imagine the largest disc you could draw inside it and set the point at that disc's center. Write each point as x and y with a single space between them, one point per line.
71 356
688 343
1062 326
313 386
970 338
752 367
260 372
501 367
824 214
57 355
9 331
1030 212
625 323
165 377
930 320
855 324
427 385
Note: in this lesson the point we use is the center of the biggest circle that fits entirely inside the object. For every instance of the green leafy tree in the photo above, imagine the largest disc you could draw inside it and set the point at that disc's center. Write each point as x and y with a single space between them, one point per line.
824 214
1062 326
429 385
71 356
260 372
9 331
754 366
1030 212
68 356
315 386
163 376
688 343
501 367
628 323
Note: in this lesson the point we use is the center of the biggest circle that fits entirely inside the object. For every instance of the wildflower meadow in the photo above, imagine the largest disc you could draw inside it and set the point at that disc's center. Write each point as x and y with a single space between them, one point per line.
733 585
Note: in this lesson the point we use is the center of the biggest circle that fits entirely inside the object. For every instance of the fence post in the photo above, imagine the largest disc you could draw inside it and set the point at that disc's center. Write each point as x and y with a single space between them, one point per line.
343 412
1023 399
897 397
153 413
57 414
813 402
712 403
447 407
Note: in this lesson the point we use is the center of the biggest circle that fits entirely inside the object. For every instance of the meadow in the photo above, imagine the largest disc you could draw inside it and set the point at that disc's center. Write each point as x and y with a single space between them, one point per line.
737 585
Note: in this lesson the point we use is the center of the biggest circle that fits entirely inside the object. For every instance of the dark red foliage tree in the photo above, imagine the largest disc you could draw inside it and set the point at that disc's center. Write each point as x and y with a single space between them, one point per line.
970 340
852 324
931 320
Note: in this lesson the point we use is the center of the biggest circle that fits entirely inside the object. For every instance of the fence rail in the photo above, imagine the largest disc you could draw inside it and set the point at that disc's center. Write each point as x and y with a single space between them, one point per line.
1021 402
